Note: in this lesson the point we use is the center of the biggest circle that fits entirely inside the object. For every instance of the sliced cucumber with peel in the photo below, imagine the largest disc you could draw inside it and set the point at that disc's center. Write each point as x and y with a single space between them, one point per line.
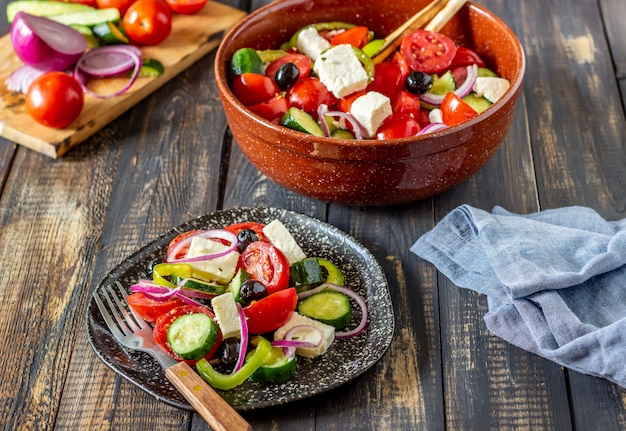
329 307
192 336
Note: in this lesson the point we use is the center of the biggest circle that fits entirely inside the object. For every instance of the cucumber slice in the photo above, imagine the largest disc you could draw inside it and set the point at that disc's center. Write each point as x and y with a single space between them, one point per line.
246 60
484 72
110 34
479 104
329 307
89 18
151 67
297 119
306 271
444 84
235 284
269 55
341 134
199 285
276 369
44 8
192 336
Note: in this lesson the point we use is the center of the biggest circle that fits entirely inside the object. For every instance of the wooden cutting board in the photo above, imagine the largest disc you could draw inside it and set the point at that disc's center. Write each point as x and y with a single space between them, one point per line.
192 37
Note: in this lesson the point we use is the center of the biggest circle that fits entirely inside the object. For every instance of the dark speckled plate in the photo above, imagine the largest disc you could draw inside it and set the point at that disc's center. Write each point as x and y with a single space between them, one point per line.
345 359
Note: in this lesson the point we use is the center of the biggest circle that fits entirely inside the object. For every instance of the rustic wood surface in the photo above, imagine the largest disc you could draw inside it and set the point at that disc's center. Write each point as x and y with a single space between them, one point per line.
65 223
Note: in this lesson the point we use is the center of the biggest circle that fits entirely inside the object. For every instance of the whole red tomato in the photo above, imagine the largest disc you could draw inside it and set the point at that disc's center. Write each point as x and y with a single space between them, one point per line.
187 7
148 22
121 5
55 99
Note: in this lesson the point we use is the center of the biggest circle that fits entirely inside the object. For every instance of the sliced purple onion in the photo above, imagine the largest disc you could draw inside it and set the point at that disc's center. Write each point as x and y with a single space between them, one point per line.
356 126
45 44
243 339
21 79
208 234
432 127
290 345
462 91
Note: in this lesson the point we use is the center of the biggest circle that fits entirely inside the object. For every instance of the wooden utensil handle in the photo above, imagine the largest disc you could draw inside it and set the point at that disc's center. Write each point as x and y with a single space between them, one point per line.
217 412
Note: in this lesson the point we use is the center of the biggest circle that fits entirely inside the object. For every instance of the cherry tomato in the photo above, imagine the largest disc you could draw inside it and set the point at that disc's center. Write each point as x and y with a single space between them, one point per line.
466 57
121 5
183 252
355 36
406 103
302 62
398 59
148 22
309 93
273 109
165 320
151 309
55 99
346 103
387 79
187 7
271 312
251 225
253 88
267 264
398 125
427 51
455 111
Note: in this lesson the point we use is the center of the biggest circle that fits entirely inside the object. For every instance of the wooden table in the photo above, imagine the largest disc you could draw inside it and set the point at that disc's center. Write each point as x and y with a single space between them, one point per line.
65 223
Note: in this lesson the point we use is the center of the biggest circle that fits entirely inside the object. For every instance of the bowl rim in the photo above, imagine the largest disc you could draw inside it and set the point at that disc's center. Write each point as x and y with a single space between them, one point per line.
221 77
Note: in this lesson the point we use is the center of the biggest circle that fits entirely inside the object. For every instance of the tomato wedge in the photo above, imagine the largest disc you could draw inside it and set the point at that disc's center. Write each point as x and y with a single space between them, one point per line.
455 111
428 51
270 313
151 309
356 36
267 264
302 62
253 88
273 109
164 321
398 125
309 93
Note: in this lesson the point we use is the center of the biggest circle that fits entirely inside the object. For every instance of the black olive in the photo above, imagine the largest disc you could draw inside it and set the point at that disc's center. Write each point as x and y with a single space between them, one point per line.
418 82
252 290
286 75
229 350
245 237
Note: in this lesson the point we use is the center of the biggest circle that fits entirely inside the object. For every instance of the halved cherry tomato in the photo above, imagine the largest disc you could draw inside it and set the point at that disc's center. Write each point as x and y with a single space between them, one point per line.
267 264
428 51
55 99
398 125
309 93
387 79
148 22
455 111
398 59
165 320
271 312
253 88
406 103
251 225
355 36
273 109
302 62
187 7
466 57
121 5
151 309
183 252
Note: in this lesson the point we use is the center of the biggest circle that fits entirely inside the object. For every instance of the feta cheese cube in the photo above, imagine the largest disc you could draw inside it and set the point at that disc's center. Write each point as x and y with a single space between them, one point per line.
370 110
341 71
311 43
434 116
327 331
282 239
221 269
490 87
227 315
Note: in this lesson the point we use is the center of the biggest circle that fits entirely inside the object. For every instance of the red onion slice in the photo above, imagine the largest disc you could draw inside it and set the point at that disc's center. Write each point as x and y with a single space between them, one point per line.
106 62
356 126
462 91
289 344
243 339
432 127
21 79
45 44
208 234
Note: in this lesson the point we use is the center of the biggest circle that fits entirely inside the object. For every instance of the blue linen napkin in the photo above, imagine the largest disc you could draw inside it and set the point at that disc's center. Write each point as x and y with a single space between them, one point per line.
555 280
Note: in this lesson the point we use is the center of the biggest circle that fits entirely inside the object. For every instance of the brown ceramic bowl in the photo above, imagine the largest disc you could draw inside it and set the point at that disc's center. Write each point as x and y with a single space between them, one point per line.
371 172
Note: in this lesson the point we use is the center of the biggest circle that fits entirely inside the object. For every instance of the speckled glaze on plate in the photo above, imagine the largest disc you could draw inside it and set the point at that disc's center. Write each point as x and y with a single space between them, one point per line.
344 361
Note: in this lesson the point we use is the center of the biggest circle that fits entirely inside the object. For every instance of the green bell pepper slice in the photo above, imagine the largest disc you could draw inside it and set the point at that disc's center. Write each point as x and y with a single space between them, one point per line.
335 276
229 381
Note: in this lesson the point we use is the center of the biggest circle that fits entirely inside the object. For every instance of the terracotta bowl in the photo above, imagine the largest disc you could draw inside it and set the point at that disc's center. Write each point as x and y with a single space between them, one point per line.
371 172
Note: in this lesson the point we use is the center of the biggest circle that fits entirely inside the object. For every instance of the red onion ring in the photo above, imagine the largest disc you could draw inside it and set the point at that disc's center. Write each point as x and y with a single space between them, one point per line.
96 63
243 339
352 294
462 91
290 345
432 127
208 234
21 79
356 126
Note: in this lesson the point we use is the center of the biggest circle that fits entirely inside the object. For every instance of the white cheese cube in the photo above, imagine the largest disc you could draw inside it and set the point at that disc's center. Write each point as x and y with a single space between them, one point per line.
281 238
310 43
490 87
370 110
227 315
341 71
221 269
434 116
327 331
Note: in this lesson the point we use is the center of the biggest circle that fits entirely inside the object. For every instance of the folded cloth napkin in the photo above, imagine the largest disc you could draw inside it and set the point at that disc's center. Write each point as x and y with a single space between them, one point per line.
555 280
